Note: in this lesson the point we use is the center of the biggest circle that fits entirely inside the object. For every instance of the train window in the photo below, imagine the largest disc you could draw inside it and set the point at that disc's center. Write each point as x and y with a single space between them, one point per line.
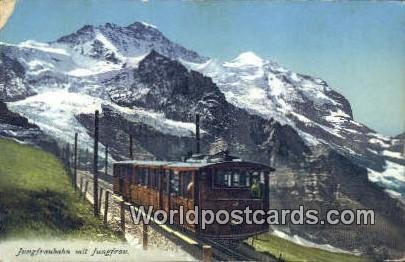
146 181
257 184
239 179
222 178
150 177
164 181
153 178
137 179
175 184
231 179
142 176
186 185
133 175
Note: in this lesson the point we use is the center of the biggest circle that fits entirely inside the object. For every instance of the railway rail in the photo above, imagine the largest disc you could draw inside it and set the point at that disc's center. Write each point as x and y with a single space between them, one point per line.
237 251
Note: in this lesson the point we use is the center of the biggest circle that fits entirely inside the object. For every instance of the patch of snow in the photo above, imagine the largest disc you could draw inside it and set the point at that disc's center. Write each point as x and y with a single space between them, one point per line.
337 117
373 151
245 59
37 66
302 118
134 61
303 242
107 44
392 178
158 121
356 123
276 85
98 67
392 154
54 112
395 171
80 72
393 193
380 137
43 47
256 93
309 139
352 131
294 77
379 142
148 25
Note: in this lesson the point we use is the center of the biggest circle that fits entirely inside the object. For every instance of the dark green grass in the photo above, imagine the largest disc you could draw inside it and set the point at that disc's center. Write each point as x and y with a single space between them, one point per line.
37 199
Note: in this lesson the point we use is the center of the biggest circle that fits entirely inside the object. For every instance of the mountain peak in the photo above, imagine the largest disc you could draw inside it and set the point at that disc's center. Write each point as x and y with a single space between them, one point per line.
248 58
134 40
154 55
142 24
85 33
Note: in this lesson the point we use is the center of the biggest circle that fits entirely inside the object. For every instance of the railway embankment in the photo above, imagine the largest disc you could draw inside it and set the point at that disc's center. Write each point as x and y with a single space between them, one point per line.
38 201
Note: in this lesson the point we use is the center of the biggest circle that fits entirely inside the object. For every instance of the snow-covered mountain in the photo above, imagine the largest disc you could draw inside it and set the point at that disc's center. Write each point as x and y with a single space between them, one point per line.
316 111
151 87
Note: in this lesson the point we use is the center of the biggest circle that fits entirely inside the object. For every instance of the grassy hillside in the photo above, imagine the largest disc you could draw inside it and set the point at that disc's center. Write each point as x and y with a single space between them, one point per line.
38 200
290 251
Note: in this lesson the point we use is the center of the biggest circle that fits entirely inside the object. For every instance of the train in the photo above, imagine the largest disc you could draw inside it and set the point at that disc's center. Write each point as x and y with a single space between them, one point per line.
211 182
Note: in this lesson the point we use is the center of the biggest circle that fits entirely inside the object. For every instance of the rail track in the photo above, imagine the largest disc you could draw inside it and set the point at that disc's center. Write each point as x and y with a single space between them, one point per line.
236 251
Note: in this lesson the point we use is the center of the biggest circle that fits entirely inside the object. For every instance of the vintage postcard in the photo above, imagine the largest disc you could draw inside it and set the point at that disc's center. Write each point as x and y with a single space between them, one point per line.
202 130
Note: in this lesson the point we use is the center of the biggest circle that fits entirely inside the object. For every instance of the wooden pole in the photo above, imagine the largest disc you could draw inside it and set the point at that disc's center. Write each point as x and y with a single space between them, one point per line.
144 236
75 164
266 193
95 165
87 167
106 160
197 133
107 194
86 185
207 253
81 185
131 153
122 214
100 198
68 159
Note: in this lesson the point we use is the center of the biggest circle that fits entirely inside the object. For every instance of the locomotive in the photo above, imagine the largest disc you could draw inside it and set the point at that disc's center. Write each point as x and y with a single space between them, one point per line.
214 182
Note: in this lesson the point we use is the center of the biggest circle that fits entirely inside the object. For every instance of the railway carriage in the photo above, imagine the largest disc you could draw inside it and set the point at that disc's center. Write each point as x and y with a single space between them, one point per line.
209 182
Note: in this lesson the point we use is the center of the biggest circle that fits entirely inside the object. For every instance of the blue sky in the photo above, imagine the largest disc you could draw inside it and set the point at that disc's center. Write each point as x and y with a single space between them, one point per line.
357 47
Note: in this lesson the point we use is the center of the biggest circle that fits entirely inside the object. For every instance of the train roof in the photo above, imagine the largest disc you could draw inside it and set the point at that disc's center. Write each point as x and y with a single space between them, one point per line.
144 162
194 164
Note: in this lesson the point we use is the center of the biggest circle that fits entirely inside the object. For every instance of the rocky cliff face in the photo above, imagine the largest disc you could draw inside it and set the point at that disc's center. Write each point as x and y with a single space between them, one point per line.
12 79
15 126
168 87
332 181
150 87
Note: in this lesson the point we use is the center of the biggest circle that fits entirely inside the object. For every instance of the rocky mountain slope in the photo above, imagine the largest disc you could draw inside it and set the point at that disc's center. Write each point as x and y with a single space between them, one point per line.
15 126
150 87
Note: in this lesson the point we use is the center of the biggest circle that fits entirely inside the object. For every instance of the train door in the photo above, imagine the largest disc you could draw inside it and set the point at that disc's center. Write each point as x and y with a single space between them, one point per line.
160 186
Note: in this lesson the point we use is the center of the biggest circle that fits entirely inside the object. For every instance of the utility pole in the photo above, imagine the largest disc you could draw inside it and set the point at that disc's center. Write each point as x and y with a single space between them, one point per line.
131 153
106 160
75 164
95 165
197 132
68 159
403 150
